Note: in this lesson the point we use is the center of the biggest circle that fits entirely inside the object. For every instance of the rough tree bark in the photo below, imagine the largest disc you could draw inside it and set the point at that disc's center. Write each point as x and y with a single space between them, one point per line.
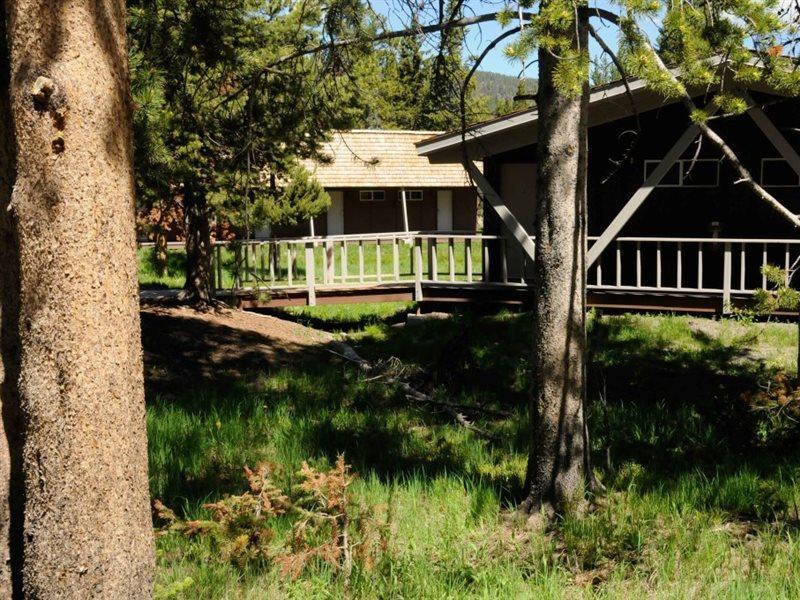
71 352
558 459
199 286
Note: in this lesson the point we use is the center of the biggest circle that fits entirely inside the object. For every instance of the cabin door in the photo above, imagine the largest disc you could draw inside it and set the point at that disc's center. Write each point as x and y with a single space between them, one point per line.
444 210
336 213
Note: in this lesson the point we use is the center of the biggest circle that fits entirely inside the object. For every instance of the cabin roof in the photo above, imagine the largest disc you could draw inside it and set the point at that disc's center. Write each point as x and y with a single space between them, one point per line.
607 102
364 158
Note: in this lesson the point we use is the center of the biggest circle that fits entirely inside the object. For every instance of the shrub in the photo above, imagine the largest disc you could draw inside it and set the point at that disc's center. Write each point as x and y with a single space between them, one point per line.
328 525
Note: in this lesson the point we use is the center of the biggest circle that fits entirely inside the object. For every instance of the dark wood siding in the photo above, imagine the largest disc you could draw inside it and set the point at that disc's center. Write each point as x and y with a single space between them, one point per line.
681 211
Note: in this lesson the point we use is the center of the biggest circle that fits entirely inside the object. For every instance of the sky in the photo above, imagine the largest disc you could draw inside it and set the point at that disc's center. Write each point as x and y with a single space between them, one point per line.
478 37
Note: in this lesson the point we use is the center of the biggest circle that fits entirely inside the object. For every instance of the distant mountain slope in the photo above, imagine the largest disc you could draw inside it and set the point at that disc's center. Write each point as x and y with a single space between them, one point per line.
497 88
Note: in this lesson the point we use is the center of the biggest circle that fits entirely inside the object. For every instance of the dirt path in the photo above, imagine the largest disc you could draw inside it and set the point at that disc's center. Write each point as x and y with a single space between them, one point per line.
186 350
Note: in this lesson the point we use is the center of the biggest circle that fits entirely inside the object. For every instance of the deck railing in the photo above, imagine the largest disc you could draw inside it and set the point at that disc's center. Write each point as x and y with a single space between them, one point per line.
712 266
724 266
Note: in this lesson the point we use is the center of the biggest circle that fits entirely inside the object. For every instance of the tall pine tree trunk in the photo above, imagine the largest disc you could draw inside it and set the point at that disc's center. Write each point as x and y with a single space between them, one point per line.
71 350
199 286
558 459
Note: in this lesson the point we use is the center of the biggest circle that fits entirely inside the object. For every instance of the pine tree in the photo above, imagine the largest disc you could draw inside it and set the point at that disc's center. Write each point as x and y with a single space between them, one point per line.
206 99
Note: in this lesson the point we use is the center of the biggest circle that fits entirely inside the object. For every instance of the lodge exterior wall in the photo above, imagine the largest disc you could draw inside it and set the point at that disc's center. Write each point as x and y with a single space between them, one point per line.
724 210
387 215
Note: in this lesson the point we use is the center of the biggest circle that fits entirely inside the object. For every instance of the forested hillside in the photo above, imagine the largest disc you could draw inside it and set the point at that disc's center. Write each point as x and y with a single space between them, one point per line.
498 90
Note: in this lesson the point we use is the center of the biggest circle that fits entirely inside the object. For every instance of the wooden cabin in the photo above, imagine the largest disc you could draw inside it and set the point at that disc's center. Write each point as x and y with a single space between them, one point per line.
378 183
655 187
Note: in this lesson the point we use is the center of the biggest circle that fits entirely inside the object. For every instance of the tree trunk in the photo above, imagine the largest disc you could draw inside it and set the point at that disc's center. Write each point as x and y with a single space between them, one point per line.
11 489
160 250
199 286
70 304
558 461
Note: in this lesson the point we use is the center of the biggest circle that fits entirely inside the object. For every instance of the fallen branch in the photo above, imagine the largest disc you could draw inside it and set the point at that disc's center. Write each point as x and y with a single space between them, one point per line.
377 372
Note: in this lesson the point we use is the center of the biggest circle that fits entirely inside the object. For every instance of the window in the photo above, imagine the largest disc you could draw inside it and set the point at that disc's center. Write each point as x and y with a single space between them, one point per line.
371 195
776 172
687 172
413 196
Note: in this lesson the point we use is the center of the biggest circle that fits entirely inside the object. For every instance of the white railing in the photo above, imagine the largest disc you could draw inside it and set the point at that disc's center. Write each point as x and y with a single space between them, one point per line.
355 260
724 266
711 266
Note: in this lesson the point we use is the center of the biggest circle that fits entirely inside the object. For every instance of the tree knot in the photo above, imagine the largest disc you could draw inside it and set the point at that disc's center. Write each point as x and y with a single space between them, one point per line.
46 95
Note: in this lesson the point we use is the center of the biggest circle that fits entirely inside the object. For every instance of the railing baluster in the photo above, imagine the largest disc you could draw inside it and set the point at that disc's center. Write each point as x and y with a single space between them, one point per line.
468 259
658 264
700 266
742 267
763 264
727 276
343 260
451 258
330 270
310 274
638 264
378 259
484 261
680 265
396 258
599 271
361 261
325 263
263 262
271 259
619 264
290 272
786 264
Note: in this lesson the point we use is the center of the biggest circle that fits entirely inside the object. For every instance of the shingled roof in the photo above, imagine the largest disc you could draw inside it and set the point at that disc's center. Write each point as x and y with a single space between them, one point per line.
383 159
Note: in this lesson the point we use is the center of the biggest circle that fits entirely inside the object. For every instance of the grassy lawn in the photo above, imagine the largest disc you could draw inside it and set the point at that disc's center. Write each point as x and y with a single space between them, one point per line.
258 271
702 491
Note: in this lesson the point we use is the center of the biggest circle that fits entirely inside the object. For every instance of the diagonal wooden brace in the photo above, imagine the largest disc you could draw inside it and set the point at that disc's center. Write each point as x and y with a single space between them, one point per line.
643 192
488 193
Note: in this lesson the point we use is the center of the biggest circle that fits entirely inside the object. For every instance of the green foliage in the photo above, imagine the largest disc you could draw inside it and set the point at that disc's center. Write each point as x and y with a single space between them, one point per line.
302 199
217 104
778 296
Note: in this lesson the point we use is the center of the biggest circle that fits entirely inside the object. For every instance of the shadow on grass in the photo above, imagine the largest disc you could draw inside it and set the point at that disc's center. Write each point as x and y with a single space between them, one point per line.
340 319
667 398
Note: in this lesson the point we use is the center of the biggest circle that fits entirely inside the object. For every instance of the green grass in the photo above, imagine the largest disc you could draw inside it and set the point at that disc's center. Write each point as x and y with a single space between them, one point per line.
695 508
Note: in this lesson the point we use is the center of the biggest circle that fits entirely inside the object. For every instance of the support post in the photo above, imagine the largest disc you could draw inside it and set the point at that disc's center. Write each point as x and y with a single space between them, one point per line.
405 209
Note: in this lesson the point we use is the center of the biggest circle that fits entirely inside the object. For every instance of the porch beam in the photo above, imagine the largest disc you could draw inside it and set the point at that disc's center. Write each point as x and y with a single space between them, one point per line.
644 192
767 127
488 193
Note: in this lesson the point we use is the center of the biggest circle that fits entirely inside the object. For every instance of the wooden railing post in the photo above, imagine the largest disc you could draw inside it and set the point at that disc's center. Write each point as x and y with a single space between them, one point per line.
310 274
417 264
